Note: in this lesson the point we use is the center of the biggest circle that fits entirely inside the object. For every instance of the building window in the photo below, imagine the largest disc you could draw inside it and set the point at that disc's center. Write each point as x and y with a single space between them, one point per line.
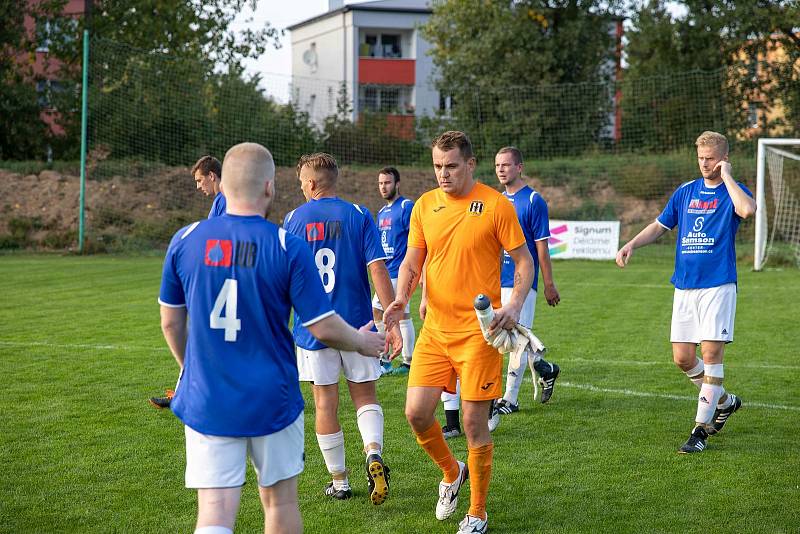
45 90
752 114
394 99
381 45
391 46
61 31
445 103
371 101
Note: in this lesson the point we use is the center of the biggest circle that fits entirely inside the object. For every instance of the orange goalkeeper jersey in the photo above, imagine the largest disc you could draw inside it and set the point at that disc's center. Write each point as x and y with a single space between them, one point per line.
464 238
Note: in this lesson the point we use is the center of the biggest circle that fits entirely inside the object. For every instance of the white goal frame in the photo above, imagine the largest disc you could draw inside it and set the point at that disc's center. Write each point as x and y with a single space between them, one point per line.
761 197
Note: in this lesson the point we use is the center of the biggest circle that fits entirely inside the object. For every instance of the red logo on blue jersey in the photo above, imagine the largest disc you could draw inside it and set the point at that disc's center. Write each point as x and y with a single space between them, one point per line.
315 231
385 223
698 204
218 252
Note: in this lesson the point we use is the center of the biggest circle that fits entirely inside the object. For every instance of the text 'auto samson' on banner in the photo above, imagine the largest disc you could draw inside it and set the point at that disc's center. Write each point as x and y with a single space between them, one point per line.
593 240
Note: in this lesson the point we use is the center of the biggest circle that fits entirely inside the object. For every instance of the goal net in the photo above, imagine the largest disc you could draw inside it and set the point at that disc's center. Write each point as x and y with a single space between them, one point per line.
777 235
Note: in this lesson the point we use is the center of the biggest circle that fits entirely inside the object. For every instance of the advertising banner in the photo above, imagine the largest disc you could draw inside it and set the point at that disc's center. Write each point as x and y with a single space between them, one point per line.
592 240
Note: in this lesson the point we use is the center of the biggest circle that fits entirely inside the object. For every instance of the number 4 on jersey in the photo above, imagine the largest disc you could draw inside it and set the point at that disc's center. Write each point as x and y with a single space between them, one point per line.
226 299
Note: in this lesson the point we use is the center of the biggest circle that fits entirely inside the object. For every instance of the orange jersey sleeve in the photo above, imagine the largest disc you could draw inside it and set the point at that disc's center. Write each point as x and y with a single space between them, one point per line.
464 239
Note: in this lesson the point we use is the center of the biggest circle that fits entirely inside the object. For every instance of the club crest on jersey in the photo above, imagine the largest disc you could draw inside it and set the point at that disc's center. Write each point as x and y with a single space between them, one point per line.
218 252
476 207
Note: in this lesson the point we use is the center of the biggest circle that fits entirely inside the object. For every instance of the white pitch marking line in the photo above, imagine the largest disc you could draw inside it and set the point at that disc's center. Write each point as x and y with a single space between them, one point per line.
646 286
632 393
671 364
76 346
578 360
587 387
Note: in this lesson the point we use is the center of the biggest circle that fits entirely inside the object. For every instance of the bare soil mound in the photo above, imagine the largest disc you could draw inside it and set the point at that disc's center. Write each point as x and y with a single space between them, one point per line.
132 211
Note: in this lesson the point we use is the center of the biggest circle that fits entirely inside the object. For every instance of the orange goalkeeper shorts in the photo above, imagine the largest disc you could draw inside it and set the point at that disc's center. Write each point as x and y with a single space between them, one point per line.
441 357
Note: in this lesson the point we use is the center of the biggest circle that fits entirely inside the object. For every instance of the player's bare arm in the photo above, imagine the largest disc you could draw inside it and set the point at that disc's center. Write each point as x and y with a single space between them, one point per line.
336 333
550 289
174 327
407 279
743 204
508 316
385 291
649 235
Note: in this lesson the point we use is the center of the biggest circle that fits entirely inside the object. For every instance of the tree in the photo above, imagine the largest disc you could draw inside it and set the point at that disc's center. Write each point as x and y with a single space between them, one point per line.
195 38
518 69
740 38
24 134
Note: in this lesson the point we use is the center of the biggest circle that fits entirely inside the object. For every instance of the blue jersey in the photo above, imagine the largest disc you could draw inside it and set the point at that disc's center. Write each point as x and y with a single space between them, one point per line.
705 254
344 240
240 277
218 207
532 214
393 223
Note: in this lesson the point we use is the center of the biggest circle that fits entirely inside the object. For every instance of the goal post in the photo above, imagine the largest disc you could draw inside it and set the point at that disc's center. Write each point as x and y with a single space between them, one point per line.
772 174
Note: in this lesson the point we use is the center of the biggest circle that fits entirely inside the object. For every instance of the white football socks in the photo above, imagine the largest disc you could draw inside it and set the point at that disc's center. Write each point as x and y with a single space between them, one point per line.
514 378
409 338
213 530
452 401
695 374
332 447
370 425
710 393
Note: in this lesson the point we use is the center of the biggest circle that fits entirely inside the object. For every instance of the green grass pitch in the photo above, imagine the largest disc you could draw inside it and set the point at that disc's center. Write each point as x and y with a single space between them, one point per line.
82 451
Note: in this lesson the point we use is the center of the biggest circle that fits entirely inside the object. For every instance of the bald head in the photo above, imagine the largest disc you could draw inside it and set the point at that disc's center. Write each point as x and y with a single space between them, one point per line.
249 179
246 168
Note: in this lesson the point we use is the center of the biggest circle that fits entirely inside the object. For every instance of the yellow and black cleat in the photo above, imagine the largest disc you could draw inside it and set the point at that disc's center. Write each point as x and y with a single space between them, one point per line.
378 479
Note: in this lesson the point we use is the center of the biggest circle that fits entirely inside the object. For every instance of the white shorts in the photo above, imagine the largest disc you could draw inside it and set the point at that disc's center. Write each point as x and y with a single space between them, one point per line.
322 367
528 307
220 461
376 303
703 314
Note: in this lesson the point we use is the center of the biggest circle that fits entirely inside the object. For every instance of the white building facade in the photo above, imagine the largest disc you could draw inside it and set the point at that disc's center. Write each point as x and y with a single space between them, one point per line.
374 52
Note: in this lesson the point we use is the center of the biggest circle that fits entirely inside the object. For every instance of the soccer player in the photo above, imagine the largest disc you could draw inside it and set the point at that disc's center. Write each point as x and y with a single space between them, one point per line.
238 276
532 214
393 222
207 174
707 212
461 228
344 241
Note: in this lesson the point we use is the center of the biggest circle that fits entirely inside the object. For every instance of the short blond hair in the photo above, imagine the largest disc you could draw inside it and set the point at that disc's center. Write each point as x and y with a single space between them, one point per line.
514 151
713 139
323 164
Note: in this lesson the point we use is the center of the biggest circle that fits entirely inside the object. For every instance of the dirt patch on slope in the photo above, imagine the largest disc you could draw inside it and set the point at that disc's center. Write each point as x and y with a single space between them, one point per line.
42 210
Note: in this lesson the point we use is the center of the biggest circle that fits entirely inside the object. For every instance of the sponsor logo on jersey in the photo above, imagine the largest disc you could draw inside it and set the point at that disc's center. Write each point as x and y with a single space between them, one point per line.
476 207
702 206
218 252
315 231
385 223
320 231
245 255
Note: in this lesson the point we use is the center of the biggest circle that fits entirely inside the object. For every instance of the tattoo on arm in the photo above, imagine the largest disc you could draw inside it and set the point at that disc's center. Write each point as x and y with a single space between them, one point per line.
411 283
517 279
